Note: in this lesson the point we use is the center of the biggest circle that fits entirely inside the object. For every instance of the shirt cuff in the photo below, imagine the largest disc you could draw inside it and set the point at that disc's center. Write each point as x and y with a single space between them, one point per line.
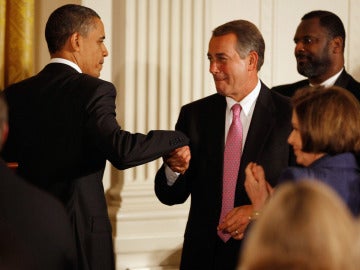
171 176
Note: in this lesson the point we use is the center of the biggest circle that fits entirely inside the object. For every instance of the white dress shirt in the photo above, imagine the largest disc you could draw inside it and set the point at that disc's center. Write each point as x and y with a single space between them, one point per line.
247 104
331 81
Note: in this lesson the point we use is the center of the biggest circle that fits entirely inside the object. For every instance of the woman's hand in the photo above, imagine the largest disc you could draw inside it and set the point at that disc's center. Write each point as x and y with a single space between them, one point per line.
256 186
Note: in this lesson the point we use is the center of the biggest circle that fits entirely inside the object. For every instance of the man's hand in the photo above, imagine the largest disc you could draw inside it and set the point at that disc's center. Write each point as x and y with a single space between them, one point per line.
236 221
179 159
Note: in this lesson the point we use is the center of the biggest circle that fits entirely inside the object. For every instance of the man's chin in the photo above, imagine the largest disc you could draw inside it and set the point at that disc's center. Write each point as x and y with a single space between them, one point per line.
304 71
221 91
220 86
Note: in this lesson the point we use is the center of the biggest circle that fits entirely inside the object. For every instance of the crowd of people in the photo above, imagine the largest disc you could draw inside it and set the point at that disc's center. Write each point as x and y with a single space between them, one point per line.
275 185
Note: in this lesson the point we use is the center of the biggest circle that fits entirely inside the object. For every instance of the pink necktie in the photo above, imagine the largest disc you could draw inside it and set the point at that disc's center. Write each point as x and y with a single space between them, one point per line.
232 154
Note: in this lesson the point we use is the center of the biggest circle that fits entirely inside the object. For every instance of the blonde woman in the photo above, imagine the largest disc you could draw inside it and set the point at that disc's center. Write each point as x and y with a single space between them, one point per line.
305 226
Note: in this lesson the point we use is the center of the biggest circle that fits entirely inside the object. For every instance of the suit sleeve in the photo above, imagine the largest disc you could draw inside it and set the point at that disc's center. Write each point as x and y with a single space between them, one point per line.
180 190
170 195
122 148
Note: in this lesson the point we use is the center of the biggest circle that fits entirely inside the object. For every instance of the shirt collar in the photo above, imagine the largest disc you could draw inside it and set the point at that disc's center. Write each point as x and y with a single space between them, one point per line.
66 62
247 102
331 81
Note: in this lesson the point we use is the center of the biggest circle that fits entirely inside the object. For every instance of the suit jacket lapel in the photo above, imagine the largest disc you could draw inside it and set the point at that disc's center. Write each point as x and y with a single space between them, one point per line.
214 141
216 128
261 125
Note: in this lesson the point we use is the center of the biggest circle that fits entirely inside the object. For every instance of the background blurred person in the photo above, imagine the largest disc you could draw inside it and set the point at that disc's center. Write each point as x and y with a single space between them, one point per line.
325 138
319 52
305 226
35 230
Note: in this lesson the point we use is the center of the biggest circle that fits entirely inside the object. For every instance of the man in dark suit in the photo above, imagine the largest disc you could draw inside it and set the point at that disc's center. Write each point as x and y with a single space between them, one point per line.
63 129
319 52
35 231
236 54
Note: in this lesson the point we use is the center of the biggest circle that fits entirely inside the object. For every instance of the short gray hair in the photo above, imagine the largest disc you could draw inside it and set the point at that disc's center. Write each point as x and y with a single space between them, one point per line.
249 38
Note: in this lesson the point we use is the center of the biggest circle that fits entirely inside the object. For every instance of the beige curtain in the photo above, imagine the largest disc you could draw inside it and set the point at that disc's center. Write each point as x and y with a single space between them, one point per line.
2 43
16 40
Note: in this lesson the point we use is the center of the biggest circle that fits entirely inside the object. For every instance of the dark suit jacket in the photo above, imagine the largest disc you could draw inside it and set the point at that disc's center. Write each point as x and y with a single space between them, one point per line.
35 232
345 80
203 121
62 131
341 172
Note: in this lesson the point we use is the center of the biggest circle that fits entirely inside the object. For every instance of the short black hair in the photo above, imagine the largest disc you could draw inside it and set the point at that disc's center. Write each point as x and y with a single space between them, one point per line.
330 21
65 21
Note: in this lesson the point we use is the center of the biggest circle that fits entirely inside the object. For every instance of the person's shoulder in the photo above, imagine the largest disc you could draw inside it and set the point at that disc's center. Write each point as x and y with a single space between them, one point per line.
297 84
90 81
348 82
19 87
346 77
72 77
92 88
38 220
295 173
278 97
289 89
208 101
275 102
30 197
31 204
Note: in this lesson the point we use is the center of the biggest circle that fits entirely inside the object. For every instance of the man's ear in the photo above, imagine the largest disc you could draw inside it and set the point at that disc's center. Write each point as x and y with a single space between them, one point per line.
74 41
253 60
338 45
